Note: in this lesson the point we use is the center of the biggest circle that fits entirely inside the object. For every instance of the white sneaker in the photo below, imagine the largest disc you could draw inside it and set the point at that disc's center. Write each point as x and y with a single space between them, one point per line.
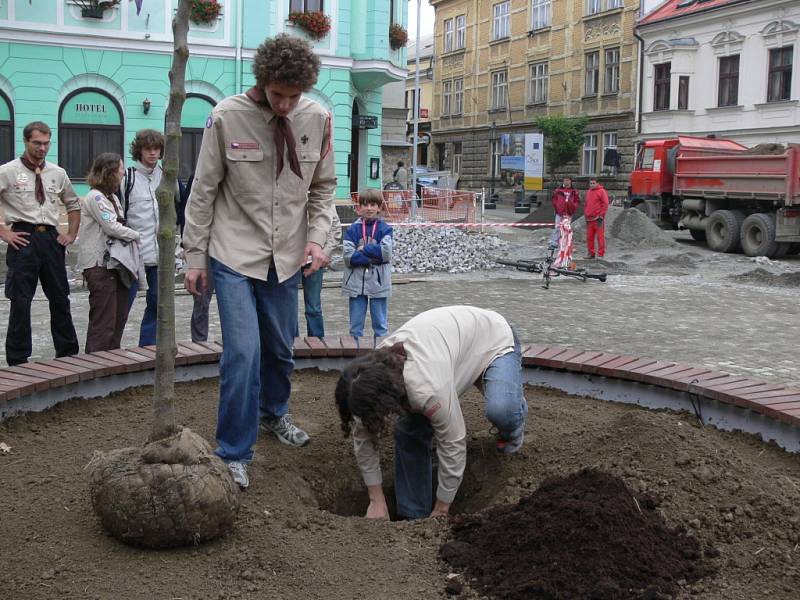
286 431
239 473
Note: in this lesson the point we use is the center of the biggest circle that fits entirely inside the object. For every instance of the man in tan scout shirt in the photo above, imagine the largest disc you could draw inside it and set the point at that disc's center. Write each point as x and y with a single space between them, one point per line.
260 205
30 190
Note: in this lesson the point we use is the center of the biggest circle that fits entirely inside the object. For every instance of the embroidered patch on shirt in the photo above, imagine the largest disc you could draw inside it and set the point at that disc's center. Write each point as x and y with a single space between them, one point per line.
433 410
245 146
209 121
106 216
22 179
99 197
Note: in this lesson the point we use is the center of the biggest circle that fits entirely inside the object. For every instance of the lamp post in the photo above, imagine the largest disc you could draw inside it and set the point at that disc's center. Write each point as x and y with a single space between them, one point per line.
415 140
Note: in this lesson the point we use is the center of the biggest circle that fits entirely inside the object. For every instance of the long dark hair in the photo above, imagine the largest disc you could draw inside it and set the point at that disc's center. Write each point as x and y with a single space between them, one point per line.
104 173
372 388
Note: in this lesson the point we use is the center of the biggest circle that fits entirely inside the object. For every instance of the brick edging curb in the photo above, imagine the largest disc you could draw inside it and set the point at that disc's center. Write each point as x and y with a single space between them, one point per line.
772 400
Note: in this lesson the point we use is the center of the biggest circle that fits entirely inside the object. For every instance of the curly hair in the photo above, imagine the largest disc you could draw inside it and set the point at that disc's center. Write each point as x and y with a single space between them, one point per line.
372 388
104 173
146 138
287 60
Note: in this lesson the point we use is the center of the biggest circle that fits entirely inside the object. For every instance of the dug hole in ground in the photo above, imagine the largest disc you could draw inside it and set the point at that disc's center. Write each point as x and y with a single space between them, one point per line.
635 504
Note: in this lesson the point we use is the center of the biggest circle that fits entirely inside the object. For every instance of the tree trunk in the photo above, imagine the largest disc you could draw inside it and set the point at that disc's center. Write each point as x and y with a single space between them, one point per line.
164 389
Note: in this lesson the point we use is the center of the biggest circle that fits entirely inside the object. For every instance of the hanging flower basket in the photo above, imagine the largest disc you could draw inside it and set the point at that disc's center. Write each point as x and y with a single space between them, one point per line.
398 36
316 24
205 12
95 9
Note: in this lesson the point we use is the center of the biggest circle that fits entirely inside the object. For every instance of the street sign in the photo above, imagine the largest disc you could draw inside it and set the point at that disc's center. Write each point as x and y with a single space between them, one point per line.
365 121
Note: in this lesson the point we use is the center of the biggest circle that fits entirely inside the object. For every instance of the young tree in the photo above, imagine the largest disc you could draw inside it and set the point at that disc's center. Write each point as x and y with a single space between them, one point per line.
174 491
563 140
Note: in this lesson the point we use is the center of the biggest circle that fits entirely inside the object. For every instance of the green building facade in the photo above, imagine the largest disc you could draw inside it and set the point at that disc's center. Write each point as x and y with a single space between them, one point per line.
98 78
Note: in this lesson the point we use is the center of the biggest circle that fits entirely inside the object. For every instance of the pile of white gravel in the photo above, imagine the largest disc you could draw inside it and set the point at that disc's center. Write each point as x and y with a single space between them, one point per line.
450 249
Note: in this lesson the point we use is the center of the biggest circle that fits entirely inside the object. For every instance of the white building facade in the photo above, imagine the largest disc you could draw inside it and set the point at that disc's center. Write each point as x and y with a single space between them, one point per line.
729 69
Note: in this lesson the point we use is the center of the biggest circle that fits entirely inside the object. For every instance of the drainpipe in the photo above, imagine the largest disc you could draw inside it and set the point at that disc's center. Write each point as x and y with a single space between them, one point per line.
239 34
414 140
640 83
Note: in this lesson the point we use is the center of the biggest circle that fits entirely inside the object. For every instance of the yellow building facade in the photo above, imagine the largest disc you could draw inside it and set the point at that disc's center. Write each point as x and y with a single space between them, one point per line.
500 64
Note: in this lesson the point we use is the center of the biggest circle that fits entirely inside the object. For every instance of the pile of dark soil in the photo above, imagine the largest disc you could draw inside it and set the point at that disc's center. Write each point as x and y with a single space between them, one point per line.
764 277
582 536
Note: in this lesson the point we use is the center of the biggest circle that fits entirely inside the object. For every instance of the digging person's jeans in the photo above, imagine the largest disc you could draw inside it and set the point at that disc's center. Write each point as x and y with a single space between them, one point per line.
258 320
506 408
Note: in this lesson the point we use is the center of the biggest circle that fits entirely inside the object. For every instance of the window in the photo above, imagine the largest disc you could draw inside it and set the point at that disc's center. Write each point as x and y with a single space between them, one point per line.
499 89
6 130
448 35
593 6
89 124
611 79
458 96
590 154
539 83
305 6
461 32
780 74
683 92
447 97
661 89
456 157
646 159
614 4
592 73
409 104
610 154
501 27
540 13
195 111
728 81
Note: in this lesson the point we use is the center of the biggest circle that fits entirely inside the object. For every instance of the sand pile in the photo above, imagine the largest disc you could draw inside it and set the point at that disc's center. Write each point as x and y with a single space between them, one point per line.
583 536
764 277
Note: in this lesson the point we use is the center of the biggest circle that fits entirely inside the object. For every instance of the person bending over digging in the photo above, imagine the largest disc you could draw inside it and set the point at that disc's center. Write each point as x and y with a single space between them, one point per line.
416 375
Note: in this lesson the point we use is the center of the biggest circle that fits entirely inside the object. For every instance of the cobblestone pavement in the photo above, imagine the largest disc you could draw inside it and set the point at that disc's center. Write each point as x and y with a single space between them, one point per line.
700 318
737 328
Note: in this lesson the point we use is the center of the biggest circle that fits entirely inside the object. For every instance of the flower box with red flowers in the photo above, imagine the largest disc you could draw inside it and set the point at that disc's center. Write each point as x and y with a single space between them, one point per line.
398 36
316 24
205 12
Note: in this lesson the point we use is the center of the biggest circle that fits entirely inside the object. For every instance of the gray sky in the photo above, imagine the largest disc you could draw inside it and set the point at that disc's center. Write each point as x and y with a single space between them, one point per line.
427 18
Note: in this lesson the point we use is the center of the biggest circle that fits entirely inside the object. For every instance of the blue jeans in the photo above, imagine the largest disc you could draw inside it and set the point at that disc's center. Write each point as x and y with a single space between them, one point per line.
378 312
506 408
258 320
312 300
147 331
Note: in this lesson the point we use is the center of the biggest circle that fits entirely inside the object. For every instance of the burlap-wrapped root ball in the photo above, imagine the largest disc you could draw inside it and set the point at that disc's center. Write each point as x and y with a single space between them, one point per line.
174 492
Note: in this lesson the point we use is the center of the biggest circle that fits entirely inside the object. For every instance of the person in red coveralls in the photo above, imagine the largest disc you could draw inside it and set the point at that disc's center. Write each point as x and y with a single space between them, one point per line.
595 213
566 200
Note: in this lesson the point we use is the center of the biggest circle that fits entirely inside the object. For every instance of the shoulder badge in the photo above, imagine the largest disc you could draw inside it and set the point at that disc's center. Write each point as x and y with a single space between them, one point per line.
99 197
106 215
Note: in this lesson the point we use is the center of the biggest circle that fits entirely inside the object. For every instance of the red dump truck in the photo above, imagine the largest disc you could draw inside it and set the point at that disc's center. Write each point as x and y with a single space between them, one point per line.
732 198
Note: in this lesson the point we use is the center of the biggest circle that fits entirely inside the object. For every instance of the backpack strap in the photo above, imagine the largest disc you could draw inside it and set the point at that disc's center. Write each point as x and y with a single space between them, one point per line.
130 176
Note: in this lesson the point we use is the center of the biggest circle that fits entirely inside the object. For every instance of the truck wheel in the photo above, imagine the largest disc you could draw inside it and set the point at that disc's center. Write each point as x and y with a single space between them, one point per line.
698 235
722 230
794 248
758 235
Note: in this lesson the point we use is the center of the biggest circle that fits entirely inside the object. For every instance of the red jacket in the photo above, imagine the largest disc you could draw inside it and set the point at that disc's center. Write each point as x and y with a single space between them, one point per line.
565 201
596 203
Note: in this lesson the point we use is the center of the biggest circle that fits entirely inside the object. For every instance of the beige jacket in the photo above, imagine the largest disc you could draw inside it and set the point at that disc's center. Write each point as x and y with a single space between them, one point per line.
18 193
242 215
98 223
447 350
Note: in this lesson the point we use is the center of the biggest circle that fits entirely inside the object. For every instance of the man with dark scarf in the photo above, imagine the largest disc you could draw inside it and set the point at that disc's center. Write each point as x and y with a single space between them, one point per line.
260 208
30 192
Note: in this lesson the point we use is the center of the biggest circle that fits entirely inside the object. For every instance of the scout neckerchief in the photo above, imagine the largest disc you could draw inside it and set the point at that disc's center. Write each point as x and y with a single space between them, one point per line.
282 134
40 197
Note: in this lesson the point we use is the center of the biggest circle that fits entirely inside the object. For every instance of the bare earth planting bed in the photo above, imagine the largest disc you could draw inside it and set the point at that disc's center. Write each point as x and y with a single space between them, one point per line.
733 501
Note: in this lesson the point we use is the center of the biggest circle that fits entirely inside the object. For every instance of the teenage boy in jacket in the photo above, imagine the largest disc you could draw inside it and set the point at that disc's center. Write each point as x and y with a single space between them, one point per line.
367 254
595 213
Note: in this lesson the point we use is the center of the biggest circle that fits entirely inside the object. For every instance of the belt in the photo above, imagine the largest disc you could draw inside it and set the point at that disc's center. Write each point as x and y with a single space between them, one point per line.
31 227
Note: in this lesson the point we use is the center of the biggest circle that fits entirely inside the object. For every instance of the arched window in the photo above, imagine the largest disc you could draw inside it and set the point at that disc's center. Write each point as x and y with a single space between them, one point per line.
89 123
6 130
195 113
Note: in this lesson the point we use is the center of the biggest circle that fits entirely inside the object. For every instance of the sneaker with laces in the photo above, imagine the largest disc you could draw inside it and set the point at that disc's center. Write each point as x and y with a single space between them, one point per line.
286 431
239 473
